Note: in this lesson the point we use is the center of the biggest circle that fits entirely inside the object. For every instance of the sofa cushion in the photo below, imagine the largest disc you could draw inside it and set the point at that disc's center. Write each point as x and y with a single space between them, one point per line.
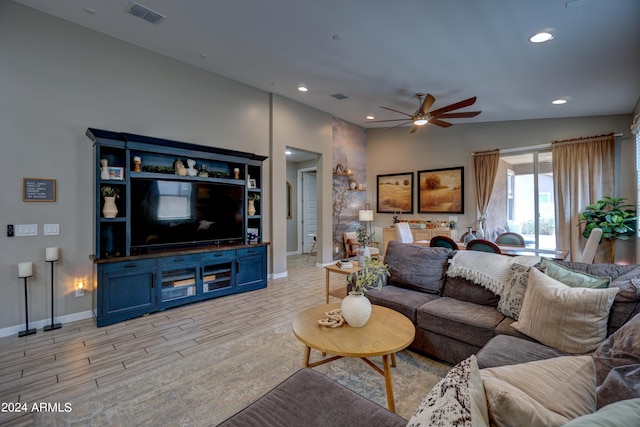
620 349
464 290
623 413
402 300
573 278
511 299
622 382
503 350
420 268
461 320
543 393
570 319
505 328
309 398
456 400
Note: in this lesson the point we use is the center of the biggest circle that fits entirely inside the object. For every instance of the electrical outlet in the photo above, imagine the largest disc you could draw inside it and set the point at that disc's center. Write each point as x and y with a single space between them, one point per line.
10 230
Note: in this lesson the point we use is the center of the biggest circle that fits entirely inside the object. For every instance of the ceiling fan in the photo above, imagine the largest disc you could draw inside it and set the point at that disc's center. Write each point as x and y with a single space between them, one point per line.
422 116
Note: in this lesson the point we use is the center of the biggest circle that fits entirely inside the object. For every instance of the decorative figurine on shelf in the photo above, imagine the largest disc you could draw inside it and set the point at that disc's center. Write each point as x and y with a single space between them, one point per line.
104 170
179 168
203 172
236 173
191 170
137 161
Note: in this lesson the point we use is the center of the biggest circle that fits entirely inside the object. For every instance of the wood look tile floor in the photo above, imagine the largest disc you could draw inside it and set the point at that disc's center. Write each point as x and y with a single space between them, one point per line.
81 357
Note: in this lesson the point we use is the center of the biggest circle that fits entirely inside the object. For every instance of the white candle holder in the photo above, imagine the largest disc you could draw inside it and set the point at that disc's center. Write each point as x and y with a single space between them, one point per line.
25 270
52 255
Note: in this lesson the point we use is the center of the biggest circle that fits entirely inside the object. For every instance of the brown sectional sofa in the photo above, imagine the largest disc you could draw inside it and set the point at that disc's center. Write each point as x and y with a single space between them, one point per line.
455 318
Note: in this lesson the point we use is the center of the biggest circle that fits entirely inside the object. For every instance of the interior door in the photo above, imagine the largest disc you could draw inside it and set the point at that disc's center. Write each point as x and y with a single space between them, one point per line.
309 210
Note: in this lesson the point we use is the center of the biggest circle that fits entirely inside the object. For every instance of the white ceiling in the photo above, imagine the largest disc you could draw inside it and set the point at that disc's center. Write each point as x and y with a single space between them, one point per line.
388 50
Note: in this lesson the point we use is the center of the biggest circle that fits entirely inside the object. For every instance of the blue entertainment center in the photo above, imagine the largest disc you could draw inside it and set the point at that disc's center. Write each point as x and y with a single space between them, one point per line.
167 235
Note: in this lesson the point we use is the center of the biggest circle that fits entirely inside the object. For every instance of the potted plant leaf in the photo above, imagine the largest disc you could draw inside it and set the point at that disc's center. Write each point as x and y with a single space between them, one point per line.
616 219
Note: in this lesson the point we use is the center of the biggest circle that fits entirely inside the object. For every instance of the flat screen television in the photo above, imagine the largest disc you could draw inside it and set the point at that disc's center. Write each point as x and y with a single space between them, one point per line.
169 214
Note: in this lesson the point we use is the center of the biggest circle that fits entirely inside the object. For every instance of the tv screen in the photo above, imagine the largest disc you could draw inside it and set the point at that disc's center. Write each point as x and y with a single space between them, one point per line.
185 213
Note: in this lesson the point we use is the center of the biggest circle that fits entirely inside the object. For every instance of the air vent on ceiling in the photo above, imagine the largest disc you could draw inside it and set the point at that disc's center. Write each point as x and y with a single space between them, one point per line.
340 96
145 13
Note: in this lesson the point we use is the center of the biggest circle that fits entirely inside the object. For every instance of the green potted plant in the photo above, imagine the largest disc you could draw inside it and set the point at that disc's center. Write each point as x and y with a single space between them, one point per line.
616 219
251 208
356 308
110 194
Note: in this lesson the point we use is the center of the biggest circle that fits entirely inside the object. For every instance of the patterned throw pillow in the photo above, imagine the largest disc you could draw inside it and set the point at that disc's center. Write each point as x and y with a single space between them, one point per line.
457 400
511 300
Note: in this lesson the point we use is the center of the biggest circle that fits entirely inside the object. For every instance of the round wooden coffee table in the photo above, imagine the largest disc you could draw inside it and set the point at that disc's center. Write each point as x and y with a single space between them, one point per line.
386 333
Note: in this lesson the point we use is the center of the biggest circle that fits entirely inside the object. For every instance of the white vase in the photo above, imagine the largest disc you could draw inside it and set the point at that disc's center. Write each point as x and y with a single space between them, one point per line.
109 210
356 309
251 209
362 253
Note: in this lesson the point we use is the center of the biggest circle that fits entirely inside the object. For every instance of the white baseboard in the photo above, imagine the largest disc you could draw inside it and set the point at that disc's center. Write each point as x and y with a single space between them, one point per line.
11 330
278 275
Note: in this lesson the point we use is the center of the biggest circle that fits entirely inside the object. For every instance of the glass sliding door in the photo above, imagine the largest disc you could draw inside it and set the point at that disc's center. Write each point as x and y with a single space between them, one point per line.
526 205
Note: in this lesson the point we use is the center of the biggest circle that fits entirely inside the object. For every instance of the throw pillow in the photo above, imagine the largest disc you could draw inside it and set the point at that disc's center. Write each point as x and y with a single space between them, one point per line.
511 300
623 413
573 278
548 392
573 320
458 399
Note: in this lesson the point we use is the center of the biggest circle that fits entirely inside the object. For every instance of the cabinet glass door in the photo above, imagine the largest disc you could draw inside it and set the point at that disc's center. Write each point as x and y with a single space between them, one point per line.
178 283
216 277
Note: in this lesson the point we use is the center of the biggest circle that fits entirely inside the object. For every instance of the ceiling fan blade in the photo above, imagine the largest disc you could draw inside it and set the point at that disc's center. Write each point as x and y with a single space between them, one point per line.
438 122
404 123
458 115
414 129
461 104
391 109
426 104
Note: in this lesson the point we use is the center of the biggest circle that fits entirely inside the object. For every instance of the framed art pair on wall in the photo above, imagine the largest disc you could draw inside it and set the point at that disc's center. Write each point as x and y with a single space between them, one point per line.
439 191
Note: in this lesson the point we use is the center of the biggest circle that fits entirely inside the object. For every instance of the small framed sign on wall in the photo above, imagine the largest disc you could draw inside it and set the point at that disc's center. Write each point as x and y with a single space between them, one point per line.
38 190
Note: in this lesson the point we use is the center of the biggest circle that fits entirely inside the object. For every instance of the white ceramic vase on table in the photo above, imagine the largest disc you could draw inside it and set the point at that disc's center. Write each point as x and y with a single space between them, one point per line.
356 309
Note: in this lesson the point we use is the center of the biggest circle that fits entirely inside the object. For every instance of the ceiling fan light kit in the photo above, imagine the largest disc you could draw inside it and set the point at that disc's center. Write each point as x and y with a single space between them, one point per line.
423 116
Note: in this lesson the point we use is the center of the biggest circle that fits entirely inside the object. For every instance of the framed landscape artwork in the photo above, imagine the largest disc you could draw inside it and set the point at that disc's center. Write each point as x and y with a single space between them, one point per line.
441 191
395 193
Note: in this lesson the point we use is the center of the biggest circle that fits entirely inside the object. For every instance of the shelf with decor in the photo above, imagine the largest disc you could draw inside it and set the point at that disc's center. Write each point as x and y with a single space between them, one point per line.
177 226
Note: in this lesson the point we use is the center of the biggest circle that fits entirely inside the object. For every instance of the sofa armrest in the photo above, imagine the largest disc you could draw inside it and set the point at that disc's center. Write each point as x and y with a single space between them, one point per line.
309 398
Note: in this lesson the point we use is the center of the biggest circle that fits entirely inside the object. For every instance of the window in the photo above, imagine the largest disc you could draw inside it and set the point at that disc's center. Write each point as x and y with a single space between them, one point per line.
527 207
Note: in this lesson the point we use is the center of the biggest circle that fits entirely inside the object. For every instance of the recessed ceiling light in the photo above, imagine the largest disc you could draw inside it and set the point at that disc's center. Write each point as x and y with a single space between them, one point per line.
202 55
89 11
370 117
288 152
541 37
302 88
559 101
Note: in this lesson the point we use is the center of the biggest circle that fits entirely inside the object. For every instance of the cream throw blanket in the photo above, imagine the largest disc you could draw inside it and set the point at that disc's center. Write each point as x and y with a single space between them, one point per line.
486 269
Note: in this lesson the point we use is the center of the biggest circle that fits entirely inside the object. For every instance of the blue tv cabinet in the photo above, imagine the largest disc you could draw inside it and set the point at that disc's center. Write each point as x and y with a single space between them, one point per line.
133 280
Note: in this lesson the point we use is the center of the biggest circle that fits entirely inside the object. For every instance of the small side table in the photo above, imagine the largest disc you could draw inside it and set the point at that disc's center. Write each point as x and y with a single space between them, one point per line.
335 269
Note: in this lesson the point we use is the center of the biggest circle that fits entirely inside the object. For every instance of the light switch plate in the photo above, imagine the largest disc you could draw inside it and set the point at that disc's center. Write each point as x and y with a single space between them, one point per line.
51 229
23 230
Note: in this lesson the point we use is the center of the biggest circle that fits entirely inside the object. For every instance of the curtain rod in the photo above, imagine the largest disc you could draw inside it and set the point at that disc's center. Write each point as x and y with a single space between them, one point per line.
528 147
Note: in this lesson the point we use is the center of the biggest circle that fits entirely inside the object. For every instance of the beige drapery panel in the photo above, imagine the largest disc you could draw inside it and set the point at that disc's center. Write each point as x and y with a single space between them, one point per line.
485 168
582 174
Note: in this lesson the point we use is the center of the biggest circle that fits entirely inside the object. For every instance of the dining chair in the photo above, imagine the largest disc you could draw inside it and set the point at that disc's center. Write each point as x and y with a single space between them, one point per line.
511 239
589 252
404 235
443 242
483 246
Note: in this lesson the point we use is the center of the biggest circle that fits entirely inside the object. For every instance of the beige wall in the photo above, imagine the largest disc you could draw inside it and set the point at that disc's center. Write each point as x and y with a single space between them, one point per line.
396 151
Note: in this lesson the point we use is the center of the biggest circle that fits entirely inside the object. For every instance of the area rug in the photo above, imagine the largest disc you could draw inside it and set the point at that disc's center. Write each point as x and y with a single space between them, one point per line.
206 388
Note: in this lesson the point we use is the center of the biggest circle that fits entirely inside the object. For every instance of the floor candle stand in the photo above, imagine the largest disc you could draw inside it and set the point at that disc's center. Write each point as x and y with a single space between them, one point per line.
25 270
52 256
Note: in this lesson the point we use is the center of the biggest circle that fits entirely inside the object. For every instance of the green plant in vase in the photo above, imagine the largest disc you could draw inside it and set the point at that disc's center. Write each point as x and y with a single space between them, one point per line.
372 276
109 191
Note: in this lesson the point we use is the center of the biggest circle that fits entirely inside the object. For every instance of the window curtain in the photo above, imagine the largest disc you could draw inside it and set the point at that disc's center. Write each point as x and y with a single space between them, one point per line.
582 174
485 168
